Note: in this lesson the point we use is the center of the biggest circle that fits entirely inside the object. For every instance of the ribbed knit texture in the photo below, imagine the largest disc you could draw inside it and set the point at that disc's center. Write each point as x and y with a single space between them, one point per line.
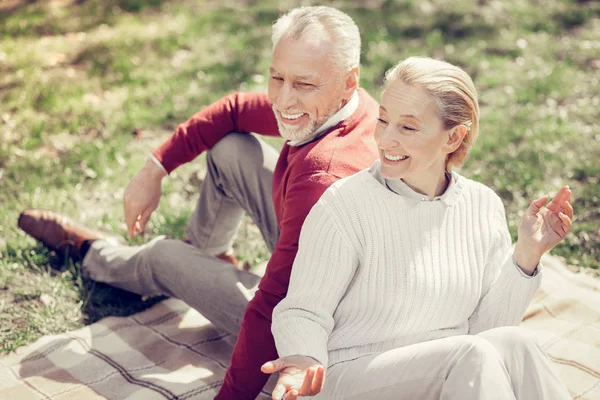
375 271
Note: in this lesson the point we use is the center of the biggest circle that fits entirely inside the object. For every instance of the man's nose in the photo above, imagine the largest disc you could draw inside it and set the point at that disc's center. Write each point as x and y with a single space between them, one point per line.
287 97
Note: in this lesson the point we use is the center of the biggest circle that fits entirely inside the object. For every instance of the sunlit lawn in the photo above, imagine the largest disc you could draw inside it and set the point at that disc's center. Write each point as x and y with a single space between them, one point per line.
88 88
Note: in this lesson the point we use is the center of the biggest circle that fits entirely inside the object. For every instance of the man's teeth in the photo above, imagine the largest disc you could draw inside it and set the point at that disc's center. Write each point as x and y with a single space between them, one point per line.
395 158
291 116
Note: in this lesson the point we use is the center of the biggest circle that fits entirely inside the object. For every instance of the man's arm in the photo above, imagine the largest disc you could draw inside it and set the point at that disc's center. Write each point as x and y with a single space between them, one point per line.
255 344
237 112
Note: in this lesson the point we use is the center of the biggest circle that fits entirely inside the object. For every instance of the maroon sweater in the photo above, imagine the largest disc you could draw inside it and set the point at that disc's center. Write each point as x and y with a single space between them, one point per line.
302 174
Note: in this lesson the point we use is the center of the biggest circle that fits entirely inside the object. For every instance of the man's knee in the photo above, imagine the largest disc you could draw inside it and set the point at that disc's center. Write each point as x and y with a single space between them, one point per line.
235 151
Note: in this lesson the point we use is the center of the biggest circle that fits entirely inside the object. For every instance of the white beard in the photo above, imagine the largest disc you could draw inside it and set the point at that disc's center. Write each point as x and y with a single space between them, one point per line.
295 134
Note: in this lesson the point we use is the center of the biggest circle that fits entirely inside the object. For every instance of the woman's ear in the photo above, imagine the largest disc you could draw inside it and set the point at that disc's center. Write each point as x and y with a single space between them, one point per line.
456 136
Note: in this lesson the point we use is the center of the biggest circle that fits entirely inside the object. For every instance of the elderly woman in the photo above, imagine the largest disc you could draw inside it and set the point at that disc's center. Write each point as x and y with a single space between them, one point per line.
406 285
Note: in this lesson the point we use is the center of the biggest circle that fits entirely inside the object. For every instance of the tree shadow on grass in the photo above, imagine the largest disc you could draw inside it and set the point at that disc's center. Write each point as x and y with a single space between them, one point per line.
99 300
103 300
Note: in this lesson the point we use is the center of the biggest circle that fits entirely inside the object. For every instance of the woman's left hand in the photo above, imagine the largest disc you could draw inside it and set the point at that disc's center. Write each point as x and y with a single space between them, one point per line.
542 228
298 376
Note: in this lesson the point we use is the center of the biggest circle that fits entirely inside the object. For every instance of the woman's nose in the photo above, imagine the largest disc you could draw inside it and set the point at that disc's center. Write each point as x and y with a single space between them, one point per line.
388 139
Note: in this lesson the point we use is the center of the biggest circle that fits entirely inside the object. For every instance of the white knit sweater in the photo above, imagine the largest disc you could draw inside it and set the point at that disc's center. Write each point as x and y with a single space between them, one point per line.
377 270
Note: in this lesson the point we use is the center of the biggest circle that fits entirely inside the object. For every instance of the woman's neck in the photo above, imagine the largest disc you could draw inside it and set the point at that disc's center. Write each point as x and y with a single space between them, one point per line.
432 187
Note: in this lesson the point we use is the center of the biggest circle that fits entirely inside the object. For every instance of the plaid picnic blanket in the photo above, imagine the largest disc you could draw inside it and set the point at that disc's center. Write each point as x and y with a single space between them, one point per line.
170 351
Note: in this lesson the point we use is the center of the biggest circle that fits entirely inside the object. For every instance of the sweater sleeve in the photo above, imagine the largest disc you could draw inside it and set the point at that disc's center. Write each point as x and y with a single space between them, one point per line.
507 290
322 271
237 112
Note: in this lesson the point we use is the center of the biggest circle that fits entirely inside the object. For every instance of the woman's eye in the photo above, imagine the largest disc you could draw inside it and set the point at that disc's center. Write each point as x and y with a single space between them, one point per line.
305 85
277 78
383 121
409 128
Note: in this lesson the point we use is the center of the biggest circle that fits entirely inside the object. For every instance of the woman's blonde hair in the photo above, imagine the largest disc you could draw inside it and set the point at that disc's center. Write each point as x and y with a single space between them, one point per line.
454 92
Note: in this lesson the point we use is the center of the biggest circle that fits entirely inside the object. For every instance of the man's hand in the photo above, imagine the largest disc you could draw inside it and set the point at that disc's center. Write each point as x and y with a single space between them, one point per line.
542 228
298 376
142 196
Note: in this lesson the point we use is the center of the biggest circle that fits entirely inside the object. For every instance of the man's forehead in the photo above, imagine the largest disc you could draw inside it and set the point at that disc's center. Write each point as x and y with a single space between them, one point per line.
304 57
296 72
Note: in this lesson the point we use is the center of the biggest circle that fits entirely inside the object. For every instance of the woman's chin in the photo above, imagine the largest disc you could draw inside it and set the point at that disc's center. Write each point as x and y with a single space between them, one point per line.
389 172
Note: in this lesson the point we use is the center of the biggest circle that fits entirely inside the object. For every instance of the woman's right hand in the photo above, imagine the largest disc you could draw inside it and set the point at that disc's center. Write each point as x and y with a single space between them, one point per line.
298 376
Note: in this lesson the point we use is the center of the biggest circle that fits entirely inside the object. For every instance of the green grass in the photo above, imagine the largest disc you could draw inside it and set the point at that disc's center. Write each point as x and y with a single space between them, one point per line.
77 80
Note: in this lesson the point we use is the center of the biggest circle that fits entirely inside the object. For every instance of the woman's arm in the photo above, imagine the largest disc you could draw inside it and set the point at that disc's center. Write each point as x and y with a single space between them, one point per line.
302 322
507 290
511 278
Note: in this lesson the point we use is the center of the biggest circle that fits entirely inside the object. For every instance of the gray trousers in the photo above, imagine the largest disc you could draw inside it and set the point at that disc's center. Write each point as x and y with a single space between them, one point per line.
239 179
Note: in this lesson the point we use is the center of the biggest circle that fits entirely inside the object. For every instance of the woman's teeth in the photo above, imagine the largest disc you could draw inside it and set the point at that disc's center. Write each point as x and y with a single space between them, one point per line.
394 158
290 116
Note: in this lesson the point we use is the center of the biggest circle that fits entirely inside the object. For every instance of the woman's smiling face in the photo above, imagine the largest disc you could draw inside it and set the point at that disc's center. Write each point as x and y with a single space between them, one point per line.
413 144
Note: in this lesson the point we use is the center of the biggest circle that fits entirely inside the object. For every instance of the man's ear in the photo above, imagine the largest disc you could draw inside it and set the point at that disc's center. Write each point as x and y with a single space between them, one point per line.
351 84
456 136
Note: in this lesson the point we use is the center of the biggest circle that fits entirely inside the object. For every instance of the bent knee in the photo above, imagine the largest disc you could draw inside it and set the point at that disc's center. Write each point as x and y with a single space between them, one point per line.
234 149
475 348
508 339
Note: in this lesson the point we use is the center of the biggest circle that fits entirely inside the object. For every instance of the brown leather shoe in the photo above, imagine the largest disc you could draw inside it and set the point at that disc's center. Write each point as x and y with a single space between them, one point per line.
57 231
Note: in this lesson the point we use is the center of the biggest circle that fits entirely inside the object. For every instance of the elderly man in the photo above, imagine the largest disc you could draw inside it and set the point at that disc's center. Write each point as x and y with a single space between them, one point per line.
314 102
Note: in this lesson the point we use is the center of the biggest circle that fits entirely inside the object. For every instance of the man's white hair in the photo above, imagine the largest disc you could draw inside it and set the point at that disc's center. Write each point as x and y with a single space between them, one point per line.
313 20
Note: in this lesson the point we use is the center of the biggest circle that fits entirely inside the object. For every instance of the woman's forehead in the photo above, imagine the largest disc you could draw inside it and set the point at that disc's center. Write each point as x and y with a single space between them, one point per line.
402 100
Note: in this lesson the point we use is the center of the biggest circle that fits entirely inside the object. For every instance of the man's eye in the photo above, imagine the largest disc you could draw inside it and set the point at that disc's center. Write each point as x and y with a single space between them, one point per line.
409 128
277 78
383 121
305 85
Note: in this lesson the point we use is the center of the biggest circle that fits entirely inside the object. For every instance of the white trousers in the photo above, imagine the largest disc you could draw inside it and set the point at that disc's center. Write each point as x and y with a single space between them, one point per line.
499 364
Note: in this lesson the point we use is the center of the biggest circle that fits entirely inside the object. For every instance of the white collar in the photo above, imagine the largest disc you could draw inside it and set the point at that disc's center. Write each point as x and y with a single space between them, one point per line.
402 189
335 119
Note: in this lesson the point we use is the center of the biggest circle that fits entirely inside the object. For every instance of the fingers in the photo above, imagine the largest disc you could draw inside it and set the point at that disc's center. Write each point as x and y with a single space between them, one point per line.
130 220
568 209
563 195
307 383
291 395
317 384
272 366
143 219
313 381
278 392
562 204
537 204
566 223
560 223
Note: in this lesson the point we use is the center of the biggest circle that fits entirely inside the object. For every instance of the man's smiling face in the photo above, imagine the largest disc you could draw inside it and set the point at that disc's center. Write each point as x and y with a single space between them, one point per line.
305 86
